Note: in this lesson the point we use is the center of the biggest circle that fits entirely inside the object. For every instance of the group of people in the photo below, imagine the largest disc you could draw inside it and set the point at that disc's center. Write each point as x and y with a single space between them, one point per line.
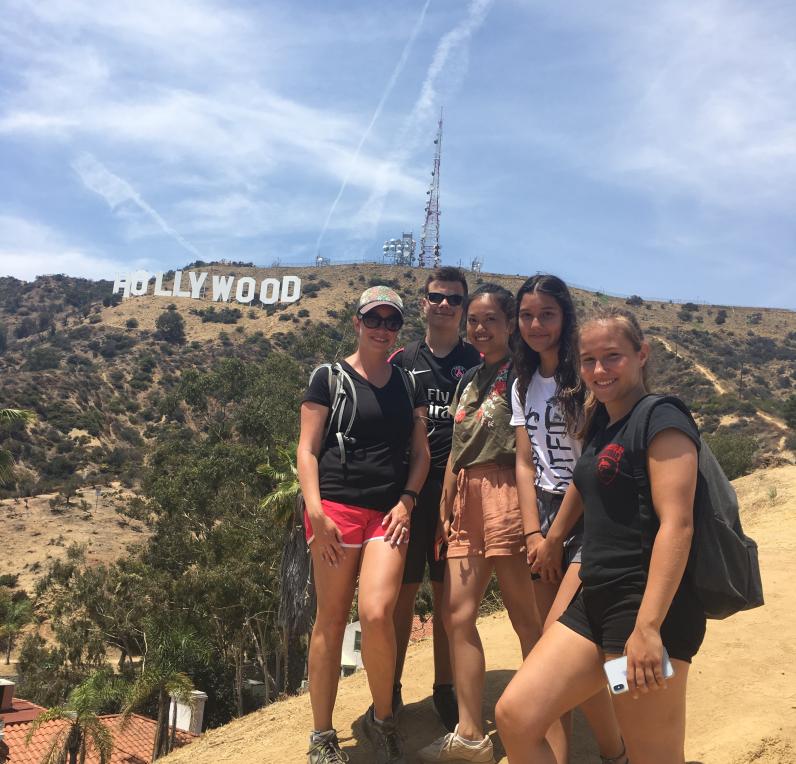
508 453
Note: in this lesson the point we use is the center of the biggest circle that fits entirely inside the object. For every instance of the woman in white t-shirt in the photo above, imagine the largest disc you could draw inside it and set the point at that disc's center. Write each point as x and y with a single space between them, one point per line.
547 405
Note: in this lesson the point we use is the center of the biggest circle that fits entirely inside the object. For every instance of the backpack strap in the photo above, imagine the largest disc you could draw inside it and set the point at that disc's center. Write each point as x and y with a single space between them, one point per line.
339 379
411 353
639 430
410 384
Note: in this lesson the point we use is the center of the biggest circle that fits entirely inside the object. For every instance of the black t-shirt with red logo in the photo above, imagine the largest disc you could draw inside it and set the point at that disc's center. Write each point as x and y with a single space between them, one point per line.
604 477
439 377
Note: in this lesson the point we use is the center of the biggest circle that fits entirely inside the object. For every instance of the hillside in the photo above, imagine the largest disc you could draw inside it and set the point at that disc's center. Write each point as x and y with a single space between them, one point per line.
98 375
741 699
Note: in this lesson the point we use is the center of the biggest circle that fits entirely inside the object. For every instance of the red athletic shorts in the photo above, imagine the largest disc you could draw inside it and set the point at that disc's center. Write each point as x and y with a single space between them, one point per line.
357 525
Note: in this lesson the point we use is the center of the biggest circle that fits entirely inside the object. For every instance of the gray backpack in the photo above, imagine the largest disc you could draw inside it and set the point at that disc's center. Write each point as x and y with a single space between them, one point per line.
723 565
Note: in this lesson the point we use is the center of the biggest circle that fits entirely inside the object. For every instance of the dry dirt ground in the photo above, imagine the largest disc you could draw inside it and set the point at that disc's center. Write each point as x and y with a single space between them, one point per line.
33 535
742 694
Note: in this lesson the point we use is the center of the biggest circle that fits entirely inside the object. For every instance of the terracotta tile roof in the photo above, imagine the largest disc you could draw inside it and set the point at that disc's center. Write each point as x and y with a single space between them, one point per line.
21 711
421 629
132 743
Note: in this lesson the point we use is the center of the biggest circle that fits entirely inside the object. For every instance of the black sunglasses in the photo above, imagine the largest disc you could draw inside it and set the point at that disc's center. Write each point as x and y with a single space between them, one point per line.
436 298
374 321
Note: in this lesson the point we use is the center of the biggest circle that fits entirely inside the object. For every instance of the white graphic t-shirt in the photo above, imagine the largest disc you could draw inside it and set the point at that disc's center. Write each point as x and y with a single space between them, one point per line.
555 451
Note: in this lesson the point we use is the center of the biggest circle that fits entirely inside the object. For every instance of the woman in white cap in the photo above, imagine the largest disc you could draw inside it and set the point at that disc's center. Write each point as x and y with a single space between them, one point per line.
359 420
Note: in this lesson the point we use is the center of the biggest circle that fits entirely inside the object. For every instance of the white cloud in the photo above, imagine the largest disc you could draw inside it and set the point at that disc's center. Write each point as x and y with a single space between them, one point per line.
29 249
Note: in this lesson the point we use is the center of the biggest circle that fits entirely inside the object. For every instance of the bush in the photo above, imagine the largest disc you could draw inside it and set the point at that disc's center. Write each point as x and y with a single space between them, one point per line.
634 300
684 315
735 453
43 358
721 316
171 326
789 412
131 323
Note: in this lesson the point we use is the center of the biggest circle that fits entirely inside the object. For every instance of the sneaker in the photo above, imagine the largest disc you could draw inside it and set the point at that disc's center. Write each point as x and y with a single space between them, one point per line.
385 739
452 748
446 705
325 749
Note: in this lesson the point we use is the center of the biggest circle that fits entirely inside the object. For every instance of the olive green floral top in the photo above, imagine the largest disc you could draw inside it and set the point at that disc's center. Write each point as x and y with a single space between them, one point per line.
482 430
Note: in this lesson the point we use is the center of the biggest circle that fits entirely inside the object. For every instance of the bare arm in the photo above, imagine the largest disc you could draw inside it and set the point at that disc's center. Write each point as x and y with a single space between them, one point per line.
526 492
398 518
551 550
326 533
446 501
672 464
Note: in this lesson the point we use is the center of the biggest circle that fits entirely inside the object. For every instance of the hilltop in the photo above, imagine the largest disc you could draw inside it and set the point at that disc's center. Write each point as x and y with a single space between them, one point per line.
740 699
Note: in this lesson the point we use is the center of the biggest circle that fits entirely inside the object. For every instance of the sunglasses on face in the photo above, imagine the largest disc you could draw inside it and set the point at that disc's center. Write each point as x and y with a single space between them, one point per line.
437 298
373 320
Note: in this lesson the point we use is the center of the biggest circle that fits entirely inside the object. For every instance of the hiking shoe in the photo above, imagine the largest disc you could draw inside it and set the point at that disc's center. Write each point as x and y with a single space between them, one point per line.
325 749
385 739
446 705
452 748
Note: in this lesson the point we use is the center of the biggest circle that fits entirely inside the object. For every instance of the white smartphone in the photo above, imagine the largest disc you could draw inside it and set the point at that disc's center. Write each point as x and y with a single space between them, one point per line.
616 671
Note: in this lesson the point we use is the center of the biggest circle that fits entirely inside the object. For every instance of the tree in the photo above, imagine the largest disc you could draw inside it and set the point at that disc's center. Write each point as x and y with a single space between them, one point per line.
171 327
735 453
6 459
15 614
171 650
85 730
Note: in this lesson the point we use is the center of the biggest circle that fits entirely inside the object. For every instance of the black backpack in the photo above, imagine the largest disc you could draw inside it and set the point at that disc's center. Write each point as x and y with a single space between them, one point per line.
341 386
723 567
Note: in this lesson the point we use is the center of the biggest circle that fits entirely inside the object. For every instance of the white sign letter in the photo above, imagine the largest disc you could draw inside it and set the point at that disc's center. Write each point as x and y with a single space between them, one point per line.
177 292
159 290
291 288
269 291
139 283
248 284
121 283
222 285
197 281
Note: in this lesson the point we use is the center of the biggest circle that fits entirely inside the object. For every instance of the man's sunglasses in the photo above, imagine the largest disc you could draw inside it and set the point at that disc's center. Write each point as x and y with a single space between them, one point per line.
436 298
374 321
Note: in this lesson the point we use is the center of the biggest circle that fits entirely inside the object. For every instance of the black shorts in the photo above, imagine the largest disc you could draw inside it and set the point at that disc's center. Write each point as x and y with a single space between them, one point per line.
607 617
421 536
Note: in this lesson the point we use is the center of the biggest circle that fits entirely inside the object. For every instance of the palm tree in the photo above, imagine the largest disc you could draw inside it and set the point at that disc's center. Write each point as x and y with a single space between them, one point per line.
84 730
14 616
169 651
297 591
6 458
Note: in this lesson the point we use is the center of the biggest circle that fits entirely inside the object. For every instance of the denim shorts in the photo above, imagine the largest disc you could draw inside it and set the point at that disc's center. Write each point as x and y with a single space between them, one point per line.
548 504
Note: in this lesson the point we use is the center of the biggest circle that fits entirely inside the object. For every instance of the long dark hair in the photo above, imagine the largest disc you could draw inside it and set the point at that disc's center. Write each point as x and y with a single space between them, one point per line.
570 393
594 412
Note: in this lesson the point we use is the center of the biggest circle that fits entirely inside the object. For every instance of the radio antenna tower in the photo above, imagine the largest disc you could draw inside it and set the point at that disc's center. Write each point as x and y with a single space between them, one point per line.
429 241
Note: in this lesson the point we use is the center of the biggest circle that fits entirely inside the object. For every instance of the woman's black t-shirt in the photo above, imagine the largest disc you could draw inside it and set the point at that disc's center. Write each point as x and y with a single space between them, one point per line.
376 468
604 478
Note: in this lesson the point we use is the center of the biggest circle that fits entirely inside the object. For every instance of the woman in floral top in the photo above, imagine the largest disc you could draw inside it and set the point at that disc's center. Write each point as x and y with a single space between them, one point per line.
481 523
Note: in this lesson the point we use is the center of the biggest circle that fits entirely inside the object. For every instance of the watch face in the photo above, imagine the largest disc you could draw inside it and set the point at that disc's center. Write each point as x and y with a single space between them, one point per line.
457 372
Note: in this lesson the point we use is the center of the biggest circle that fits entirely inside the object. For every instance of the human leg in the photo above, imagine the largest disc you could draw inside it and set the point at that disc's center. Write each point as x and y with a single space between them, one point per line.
379 585
562 670
465 584
653 724
334 588
516 587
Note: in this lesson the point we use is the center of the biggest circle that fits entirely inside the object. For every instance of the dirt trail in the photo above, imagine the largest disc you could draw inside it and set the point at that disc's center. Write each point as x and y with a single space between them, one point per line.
741 699
703 370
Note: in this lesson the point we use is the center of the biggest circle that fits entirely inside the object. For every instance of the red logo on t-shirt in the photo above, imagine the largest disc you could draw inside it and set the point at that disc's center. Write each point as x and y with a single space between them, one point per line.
608 463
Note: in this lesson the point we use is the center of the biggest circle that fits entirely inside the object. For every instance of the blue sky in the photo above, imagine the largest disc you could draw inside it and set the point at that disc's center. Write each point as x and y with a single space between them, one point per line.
634 147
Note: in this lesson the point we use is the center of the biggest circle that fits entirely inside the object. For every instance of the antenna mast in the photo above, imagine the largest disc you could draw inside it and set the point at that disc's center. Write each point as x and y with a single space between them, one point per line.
429 241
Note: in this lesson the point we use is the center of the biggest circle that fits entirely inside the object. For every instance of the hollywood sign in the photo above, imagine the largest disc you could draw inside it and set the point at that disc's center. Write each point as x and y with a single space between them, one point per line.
218 288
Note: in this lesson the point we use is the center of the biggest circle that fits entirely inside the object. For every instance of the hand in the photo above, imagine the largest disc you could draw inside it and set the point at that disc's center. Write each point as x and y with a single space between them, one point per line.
397 522
532 543
644 650
549 555
329 540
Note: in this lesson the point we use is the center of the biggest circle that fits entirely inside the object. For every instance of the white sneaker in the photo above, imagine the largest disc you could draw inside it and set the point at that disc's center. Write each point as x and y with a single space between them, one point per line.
452 748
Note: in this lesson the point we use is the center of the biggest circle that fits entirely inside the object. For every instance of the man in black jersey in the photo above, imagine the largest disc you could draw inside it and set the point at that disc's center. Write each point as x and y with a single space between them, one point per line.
437 362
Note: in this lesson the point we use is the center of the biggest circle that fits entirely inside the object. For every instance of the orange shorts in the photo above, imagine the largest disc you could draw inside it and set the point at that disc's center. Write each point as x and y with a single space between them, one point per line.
486 513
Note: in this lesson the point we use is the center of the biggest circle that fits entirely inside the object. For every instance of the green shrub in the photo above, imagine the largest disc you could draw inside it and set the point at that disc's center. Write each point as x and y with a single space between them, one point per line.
131 323
42 358
735 453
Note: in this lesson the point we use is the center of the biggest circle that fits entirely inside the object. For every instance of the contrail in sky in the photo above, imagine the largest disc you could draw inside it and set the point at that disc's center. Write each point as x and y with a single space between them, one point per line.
385 95
116 191
451 50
